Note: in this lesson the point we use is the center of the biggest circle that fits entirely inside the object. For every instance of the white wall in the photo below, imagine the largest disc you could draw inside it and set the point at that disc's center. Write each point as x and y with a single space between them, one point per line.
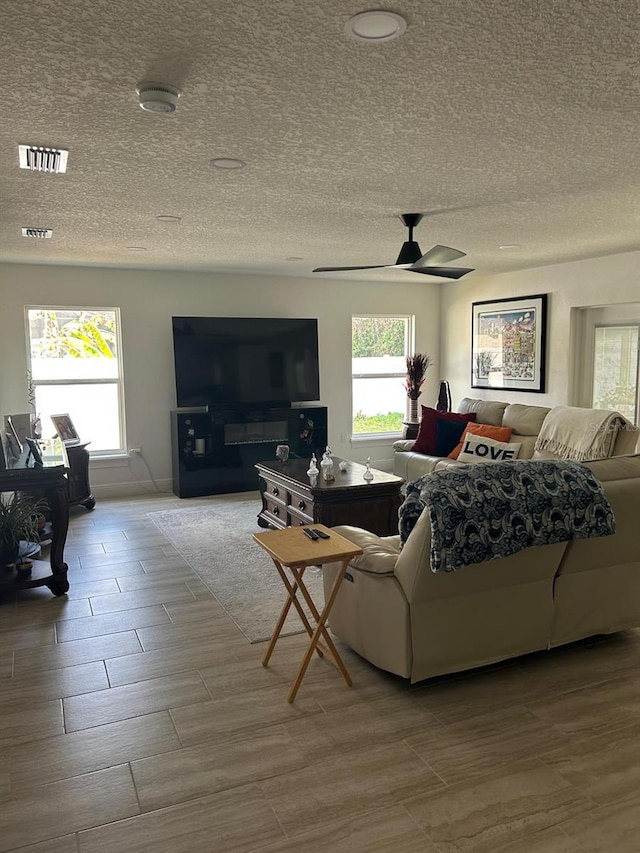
148 299
599 281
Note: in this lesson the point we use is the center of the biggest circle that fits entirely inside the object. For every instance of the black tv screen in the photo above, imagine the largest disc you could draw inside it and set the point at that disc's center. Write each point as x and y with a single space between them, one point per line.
245 360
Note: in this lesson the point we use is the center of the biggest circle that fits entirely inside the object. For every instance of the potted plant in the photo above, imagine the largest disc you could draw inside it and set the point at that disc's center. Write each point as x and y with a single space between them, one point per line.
417 366
19 516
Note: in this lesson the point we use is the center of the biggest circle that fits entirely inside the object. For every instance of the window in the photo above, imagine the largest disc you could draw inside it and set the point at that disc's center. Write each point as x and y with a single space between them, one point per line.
75 363
379 348
615 369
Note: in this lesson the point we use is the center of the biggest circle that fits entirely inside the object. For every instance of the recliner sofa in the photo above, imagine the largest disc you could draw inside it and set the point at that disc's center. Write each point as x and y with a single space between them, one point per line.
404 618
524 421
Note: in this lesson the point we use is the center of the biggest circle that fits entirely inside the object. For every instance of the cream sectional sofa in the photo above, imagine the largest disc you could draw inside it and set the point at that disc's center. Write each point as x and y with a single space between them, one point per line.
404 618
524 421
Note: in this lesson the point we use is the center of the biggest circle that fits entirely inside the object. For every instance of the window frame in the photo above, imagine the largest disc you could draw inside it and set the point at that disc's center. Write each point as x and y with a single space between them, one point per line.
119 381
409 345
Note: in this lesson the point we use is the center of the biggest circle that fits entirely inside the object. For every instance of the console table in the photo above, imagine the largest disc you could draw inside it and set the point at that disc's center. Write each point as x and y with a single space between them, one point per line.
52 484
289 499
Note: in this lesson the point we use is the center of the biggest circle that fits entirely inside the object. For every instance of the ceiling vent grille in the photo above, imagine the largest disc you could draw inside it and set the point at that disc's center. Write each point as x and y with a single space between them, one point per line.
37 158
42 233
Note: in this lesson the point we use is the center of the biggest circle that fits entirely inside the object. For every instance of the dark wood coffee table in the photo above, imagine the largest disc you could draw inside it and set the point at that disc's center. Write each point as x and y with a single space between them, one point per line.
289 499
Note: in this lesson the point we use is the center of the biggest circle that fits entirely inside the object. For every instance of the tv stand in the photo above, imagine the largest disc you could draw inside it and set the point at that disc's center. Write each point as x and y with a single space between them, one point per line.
215 451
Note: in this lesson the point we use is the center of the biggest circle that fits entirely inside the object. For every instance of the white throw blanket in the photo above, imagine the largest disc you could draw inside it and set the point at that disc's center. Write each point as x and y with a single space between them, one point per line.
579 434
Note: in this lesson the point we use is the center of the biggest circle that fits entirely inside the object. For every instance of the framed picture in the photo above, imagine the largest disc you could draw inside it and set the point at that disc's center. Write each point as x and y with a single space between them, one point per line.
34 452
65 429
508 344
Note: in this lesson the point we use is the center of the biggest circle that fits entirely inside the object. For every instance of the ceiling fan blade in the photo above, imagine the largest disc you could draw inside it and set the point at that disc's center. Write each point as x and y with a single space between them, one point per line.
346 269
439 255
445 272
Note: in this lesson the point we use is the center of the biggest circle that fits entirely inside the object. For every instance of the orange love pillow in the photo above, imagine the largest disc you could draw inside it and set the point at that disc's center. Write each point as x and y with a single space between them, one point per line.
484 430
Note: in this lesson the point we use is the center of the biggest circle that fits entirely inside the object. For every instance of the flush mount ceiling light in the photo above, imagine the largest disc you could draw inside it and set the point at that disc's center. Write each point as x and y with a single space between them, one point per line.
227 163
510 246
158 97
38 158
375 26
42 233
137 248
294 258
168 217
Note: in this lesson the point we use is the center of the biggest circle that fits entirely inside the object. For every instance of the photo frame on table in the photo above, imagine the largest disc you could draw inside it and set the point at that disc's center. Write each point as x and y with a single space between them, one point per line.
65 429
508 344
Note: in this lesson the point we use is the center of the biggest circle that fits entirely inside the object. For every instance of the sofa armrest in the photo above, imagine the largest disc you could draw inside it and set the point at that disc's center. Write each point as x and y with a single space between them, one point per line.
379 553
403 444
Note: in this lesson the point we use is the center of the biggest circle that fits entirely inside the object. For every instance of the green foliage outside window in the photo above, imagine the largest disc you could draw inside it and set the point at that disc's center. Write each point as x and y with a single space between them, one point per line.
391 422
79 334
378 336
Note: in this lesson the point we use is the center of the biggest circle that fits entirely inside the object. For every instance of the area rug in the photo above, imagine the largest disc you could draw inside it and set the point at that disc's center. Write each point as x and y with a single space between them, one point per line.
216 541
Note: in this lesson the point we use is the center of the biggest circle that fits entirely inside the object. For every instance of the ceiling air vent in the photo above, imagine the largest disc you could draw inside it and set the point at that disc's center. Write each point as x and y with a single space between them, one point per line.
43 233
37 158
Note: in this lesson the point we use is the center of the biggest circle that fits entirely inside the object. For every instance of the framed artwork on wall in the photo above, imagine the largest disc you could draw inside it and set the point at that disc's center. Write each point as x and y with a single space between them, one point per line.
508 344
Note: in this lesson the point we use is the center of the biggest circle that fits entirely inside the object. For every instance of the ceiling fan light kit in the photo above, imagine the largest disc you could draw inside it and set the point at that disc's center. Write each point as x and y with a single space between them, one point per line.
412 259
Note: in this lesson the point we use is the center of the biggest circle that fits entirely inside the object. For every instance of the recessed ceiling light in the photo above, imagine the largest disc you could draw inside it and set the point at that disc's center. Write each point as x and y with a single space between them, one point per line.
137 248
227 163
168 217
510 246
375 26
294 258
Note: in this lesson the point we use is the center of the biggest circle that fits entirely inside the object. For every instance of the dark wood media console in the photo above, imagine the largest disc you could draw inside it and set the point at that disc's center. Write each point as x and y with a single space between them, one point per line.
289 499
216 451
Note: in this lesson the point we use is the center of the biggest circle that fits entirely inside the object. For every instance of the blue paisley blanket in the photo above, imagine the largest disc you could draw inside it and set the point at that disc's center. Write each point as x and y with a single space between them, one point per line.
490 510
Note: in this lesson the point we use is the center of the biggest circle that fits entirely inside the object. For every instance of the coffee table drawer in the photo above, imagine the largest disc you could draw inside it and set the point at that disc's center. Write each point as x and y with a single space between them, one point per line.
275 510
297 519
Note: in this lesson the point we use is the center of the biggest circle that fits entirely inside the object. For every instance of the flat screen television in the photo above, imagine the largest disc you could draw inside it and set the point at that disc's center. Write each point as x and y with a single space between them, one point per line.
245 360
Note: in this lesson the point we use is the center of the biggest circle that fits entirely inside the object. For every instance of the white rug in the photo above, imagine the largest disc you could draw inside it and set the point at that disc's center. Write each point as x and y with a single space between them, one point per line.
216 542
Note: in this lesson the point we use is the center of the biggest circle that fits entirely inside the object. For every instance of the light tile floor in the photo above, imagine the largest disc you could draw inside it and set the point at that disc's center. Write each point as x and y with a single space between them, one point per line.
135 717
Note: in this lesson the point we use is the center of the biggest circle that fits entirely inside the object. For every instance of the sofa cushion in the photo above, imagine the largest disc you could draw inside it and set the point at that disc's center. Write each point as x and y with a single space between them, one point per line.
487 411
496 433
448 435
477 448
426 441
524 420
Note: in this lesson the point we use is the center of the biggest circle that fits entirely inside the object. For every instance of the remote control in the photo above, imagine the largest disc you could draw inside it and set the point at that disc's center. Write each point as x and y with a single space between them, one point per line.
310 533
321 534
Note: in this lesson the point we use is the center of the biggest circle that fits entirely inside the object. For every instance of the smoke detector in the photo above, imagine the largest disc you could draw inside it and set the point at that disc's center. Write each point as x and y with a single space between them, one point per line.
158 97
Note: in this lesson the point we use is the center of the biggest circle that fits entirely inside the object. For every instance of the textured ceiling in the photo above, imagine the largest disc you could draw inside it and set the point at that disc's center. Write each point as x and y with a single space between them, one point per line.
504 121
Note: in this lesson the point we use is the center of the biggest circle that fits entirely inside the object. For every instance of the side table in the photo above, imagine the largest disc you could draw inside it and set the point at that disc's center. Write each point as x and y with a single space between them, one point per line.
411 429
291 549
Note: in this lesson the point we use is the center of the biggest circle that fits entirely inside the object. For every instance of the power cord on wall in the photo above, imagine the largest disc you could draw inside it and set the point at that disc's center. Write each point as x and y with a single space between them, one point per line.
136 453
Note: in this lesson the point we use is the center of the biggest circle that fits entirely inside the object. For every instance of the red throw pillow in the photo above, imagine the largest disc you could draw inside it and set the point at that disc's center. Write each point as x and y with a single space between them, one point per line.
426 441
486 431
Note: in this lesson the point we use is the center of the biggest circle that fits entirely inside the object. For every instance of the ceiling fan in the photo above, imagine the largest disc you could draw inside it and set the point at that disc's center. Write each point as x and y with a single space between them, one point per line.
412 259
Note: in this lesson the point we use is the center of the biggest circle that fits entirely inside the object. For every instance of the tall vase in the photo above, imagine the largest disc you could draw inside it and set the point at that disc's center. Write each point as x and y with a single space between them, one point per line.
413 410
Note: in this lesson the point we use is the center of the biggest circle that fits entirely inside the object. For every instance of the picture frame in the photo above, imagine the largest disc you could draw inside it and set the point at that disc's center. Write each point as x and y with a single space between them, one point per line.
508 344
34 452
65 429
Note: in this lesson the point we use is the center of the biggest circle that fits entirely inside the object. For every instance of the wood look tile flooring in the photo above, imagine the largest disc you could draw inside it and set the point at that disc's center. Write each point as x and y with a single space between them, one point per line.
135 717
